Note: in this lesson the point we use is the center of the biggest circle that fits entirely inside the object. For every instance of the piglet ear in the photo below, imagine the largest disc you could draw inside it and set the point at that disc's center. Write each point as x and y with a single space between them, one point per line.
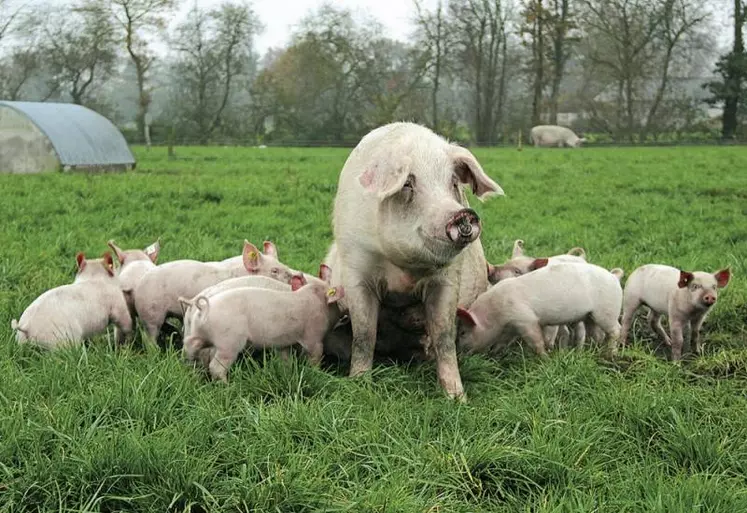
518 248
80 258
325 273
335 294
492 271
466 316
270 249
108 263
117 251
722 277
538 264
297 281
153 250
685 279
577 251
251 257
469 171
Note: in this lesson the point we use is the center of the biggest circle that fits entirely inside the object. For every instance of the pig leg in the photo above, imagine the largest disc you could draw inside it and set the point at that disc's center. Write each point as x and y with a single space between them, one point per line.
532 332
223 359
654 320
676 329
122 319
630 305
549 333
440 305
314 350
579 335
364 314
695 324
564 335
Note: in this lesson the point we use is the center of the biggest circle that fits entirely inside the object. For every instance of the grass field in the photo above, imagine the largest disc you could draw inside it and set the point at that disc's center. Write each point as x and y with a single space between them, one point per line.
120 429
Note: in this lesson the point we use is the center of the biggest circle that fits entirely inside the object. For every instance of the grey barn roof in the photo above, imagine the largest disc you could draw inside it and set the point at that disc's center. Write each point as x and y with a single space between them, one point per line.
80 136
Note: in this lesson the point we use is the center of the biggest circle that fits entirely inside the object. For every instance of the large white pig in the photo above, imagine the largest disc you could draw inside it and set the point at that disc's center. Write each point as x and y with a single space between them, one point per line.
158 292
554 135
685 297
69 314
564 293
404 233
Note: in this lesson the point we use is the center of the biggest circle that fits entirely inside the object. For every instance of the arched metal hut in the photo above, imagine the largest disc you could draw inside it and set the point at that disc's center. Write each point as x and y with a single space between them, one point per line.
37 137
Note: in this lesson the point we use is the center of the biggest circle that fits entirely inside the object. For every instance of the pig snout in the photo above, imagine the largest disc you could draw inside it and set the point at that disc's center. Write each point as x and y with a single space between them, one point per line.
709 299
463 227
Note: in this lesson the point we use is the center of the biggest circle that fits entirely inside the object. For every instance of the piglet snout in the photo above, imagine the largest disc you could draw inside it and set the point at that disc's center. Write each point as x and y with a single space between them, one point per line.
463 227
709 299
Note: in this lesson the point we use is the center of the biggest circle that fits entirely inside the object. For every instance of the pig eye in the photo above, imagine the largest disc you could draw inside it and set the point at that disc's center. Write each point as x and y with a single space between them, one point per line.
274 271
695 286
517 272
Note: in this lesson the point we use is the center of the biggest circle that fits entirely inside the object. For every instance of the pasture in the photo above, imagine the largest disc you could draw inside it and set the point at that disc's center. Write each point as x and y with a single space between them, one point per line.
124 429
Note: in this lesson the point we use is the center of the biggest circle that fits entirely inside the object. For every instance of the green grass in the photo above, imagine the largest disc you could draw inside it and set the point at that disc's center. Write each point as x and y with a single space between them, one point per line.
119 429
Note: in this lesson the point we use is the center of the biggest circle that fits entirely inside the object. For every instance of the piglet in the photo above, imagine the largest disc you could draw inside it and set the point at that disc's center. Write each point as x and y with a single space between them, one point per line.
157 294
520 263
69 314
263 318
552 295
133 264
685 297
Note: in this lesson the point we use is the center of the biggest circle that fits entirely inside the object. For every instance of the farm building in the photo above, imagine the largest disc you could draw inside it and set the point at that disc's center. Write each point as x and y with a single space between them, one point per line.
37 137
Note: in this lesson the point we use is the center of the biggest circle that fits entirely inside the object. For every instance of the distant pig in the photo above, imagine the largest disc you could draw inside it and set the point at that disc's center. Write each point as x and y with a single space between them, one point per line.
263 318
685 297
157 295
404 231
550 296
554 135
69 314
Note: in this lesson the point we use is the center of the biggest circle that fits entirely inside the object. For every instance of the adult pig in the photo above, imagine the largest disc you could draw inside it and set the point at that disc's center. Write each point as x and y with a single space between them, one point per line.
554 135
404 233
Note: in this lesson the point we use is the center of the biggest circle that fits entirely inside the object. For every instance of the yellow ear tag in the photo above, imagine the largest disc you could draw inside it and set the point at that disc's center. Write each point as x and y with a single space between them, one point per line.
331 292
252 255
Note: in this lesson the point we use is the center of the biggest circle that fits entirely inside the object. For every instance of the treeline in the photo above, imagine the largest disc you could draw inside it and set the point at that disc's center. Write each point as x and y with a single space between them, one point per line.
480 71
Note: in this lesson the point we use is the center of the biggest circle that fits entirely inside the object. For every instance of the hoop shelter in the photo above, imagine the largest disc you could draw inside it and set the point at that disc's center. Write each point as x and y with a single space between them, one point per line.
37 137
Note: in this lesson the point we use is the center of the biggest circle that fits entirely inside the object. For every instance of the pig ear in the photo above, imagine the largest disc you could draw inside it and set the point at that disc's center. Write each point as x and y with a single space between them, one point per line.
251 257
270 249
491 273
722 277
108 263
117 251
685 279
469 171
518 248
335 294
153 250
325 273
466 316
579 252
538 264
80 258
385 182
297 281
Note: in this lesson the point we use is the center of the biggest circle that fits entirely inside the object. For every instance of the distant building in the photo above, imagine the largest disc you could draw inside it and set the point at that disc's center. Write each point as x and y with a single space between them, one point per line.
37 137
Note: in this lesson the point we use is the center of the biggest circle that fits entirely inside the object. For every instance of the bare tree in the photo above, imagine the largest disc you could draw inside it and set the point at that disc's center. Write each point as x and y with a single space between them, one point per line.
560 25
79 47
480 31
534 15
435 36
8 17
136 18
213 49
679 20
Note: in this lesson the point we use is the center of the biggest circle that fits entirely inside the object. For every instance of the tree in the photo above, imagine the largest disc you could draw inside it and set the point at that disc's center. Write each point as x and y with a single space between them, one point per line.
79 48
560 22
534 15
8 18
434 35
213 50
481 36
732 67
136 18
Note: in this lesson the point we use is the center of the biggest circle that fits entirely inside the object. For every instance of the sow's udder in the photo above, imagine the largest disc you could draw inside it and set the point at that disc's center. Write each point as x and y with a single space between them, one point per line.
463 227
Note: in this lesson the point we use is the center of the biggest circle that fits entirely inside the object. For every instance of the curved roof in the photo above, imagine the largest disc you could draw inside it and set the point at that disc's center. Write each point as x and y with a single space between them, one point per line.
80 136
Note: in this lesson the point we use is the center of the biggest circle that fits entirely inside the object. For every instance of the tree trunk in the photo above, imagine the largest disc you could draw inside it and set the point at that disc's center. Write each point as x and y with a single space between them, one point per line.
538 63
733 82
